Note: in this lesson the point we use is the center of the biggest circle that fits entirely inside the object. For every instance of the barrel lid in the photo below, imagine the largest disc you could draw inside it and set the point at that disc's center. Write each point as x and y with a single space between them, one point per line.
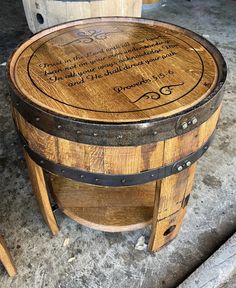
114 70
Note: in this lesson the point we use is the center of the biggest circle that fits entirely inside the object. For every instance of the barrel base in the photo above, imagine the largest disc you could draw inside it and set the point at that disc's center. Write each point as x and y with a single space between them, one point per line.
104 208
161 203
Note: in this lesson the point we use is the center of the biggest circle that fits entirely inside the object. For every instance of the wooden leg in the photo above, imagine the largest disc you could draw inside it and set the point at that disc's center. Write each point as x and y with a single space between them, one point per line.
6 258
40 189
172 194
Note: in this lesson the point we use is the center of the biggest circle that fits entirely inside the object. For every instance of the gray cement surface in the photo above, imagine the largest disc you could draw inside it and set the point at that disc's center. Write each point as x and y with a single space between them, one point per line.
217 271
95 259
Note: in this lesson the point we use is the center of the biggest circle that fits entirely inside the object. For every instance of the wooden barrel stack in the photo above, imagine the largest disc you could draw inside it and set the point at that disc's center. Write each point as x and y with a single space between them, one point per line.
113 114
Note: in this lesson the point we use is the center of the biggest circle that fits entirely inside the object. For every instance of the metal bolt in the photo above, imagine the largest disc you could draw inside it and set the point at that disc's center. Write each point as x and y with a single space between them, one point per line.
189 163
184 125
41 161
59 126
206 147
123 181
62 171
194 120
152 175
180 168
37 118
155 133
96 179
119 137
95 134
78 132
81 176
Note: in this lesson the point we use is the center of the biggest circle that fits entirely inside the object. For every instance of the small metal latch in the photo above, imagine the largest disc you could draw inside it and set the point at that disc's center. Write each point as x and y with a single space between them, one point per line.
184 124
191 122
181 165
115 180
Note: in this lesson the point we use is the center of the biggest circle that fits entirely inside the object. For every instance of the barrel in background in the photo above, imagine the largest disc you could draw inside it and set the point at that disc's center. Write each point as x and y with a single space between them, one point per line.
42 14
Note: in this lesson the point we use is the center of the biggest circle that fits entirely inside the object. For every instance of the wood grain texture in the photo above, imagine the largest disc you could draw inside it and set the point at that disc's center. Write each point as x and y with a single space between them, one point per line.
115 160
114 70
132 208
166 230
56 12
105 208
169 200
175 189
41 192
112 219
6 259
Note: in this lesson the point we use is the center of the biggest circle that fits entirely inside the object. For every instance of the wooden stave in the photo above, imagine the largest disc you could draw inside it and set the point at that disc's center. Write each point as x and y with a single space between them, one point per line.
65 166
103 134
31 10
147 131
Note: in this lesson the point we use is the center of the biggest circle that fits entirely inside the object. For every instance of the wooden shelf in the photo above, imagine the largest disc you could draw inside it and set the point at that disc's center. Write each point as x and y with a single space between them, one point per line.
104 208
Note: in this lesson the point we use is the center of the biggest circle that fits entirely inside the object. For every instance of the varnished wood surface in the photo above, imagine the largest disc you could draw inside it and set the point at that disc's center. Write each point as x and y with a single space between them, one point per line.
6 259
105 208
115 160
114 70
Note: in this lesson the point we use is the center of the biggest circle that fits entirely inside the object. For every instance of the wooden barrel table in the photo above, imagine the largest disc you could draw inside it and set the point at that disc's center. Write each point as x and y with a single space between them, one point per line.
113 114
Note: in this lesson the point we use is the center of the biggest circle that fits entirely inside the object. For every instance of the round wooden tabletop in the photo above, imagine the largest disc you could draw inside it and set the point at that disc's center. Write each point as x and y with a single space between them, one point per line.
114 69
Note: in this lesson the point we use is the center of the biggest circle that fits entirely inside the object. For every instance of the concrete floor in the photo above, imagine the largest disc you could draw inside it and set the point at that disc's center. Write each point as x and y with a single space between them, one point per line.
95 259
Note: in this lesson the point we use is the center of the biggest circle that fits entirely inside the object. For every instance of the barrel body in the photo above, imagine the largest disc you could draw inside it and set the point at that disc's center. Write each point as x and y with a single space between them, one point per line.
47 13
115 160
117 111
109 204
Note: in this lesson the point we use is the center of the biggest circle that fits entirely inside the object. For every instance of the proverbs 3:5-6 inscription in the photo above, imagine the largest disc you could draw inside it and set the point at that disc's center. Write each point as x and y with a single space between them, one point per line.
140 69
103 63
